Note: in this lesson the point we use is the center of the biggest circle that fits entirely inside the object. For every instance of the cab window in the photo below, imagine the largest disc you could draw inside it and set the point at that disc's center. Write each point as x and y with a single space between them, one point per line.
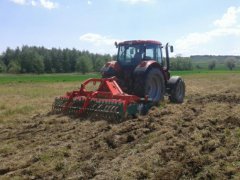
153 52
159 54
149 53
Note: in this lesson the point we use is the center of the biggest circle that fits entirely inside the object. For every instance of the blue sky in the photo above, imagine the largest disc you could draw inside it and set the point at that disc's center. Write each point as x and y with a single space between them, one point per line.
192 26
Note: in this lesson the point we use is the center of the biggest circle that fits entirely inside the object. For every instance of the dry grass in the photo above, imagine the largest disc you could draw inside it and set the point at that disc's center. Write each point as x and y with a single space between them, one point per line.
199 139
26 99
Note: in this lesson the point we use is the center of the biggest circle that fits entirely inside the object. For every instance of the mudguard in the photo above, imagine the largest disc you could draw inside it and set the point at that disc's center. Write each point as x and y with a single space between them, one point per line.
172 82
110 69
142 69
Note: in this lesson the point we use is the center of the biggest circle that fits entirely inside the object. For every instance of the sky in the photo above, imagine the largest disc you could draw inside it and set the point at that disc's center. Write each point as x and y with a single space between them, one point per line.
193 27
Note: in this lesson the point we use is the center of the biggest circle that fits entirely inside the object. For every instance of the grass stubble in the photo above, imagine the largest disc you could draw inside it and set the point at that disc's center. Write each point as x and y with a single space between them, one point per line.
199 139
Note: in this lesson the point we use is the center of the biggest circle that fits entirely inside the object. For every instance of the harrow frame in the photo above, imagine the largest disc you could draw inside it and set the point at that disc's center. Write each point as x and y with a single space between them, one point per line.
108 101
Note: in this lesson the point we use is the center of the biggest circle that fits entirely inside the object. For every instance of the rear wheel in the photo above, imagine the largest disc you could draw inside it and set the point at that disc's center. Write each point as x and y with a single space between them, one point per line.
177 92
153 85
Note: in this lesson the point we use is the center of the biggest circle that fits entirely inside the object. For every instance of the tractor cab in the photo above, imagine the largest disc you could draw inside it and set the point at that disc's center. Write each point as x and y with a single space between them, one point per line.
131 53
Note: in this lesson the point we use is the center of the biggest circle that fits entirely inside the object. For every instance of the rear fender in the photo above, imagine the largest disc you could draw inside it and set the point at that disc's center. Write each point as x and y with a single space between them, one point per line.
142 69
172 82
111 68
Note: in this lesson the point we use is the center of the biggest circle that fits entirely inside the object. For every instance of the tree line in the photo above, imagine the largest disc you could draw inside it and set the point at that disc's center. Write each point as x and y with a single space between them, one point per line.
32 59
42 60
230 63
180 63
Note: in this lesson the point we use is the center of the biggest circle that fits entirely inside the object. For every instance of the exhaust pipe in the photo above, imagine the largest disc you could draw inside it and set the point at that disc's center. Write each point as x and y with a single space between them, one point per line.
167 55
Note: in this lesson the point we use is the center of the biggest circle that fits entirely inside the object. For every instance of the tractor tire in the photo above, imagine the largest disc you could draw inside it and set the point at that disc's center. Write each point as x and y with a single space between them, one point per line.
177 92
153 85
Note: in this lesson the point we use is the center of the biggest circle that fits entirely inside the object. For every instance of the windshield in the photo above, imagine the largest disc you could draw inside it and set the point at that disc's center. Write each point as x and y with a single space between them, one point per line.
133 54
130 53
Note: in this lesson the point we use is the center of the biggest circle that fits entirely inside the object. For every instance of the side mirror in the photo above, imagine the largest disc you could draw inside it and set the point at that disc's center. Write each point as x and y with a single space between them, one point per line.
171 49
116 44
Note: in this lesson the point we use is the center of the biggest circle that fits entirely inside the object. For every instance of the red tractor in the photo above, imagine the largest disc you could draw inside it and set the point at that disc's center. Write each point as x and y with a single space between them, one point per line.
141 70
136 81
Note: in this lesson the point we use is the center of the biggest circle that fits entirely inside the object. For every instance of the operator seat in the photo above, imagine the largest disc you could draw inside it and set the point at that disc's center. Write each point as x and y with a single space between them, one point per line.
138 56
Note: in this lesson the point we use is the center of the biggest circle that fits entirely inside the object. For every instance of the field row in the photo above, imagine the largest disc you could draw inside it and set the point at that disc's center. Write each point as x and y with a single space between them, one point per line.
73 77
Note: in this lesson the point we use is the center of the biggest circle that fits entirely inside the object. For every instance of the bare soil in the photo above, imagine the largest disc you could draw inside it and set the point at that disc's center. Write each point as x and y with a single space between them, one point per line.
199 139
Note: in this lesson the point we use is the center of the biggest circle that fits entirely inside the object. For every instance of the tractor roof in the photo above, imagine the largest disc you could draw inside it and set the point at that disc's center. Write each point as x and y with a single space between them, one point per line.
140 42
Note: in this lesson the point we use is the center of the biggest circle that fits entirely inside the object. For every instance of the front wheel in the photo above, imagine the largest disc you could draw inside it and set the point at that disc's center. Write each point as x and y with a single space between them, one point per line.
177 92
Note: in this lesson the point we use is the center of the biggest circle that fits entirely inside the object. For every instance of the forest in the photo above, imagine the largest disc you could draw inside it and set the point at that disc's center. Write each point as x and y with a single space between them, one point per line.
42 60
32 59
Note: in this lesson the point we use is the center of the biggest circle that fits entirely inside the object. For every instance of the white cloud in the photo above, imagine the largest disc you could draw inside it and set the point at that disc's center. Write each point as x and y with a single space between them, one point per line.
98 43
21 2
137 1
236 50
89 2
97 39
33 3
192 39
229 19
227 26
48 4
41 3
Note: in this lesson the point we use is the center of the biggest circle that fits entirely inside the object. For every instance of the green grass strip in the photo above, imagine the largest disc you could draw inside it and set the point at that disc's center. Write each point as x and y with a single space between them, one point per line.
32 78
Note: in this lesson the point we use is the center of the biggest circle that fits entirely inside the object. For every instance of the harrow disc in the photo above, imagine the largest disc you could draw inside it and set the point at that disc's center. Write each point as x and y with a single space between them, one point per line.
58 104
96 109
105 109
